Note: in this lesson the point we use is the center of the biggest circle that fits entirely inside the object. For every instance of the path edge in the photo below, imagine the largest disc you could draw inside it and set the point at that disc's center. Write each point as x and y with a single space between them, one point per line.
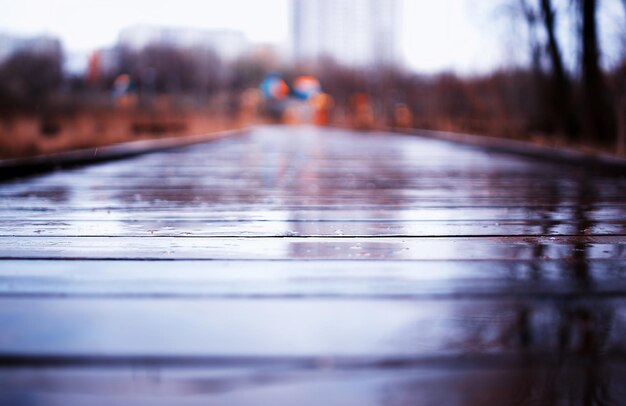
19 167
596 161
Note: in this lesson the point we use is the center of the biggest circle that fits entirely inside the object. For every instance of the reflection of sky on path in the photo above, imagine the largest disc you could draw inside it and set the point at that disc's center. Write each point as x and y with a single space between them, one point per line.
475 312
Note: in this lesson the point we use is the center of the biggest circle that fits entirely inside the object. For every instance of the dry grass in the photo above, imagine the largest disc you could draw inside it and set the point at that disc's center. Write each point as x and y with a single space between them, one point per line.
24 135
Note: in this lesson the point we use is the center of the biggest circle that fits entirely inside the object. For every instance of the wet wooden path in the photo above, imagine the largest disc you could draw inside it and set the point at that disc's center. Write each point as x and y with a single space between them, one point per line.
314 267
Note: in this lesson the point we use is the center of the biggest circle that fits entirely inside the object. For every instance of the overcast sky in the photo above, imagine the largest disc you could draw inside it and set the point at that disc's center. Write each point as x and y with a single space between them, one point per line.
463 35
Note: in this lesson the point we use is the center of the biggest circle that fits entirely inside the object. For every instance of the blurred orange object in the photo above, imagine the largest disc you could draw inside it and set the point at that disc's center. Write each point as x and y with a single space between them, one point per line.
306 87
402 116
362 111
322 104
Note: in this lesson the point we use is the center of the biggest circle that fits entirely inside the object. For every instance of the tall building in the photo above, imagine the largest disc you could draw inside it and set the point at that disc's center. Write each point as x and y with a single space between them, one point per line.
353 32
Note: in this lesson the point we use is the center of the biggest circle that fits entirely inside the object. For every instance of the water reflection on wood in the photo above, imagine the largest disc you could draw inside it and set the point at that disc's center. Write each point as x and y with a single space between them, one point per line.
306 266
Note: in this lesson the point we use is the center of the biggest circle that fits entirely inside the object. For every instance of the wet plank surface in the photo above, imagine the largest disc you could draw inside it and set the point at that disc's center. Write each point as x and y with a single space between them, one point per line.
306 266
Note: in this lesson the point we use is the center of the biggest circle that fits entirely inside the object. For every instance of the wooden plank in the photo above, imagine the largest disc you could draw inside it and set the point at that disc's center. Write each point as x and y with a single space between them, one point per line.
164 227
371 197
455 209
324 383
422 248
539 279
286 328
143 177
355 192
496 215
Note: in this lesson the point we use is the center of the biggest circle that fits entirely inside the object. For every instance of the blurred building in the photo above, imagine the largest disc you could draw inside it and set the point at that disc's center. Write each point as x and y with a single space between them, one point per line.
353 32
228 44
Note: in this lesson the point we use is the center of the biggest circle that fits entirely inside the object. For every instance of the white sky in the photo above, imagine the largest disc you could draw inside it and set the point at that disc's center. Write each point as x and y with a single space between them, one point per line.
463 35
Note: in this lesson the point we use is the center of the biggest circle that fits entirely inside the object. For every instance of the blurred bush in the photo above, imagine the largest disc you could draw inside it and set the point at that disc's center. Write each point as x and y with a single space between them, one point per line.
29 78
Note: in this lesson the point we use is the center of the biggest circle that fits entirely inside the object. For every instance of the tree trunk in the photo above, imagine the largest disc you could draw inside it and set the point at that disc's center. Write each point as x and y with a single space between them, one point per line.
599 119
531 18
561 93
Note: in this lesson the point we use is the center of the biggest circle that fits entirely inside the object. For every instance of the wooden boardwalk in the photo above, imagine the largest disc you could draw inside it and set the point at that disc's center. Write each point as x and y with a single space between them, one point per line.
294 265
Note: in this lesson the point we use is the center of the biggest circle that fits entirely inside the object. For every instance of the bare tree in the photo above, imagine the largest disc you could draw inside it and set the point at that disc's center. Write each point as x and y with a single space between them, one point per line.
29 78
621 99
599 119
561 95
531 16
